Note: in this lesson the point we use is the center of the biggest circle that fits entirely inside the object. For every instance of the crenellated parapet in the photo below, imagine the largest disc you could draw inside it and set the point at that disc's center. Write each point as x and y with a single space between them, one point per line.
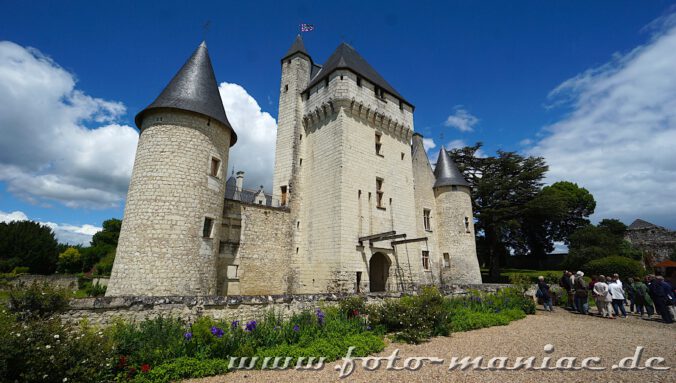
370 114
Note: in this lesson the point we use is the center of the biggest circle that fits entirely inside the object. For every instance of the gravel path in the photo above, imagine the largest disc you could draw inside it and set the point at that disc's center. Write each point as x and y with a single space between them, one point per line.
571 334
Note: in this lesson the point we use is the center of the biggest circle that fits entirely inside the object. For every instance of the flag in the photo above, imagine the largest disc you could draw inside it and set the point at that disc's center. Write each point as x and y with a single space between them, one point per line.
307 27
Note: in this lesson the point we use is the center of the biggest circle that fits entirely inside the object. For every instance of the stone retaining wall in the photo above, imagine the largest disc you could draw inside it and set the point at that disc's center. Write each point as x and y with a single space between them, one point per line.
104 310
58 281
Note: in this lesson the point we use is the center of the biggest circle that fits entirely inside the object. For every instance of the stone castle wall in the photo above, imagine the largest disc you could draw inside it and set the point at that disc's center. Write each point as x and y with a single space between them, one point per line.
104 311
657 243
257 260
161 248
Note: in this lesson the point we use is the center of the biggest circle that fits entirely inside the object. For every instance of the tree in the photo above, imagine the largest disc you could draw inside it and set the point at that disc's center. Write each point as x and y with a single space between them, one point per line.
601 241
30 244
554 214
109 235
514 213
103 244
501 188
70 261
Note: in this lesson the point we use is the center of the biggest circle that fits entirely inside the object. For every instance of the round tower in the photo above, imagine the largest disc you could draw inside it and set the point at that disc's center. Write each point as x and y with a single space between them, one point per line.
169 239
455 221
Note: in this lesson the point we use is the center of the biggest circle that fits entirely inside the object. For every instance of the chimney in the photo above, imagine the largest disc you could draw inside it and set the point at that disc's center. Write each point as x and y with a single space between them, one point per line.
239 181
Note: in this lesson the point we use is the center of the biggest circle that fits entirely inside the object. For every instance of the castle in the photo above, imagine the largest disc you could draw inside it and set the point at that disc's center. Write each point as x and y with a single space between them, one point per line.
355 205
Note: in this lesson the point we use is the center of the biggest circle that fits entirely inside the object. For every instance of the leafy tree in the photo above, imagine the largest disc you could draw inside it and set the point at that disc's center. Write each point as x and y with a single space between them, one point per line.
103 244
109 235
502 186
601 241
30 244
70 261
514 212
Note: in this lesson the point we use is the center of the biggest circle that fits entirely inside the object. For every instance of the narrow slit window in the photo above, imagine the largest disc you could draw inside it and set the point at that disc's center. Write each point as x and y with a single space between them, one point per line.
284 196
447 261
426 219
379 144
215 166
208 227
467 224
358 81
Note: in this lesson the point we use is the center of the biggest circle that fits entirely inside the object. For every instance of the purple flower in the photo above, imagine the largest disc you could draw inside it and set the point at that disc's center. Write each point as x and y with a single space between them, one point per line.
296 328
187 335
234 324
320 316
217 332
250 326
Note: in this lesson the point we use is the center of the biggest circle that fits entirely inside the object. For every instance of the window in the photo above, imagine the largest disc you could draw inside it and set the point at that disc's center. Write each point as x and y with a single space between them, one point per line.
426 259
221 247
379 144
401 105
426 219
283 195
379 193
467 224
402 156
288 61
358 81
447 261
286 88
358 280
215 167
380 93
208 227
300 138
300 162
341 76
454 188
326 82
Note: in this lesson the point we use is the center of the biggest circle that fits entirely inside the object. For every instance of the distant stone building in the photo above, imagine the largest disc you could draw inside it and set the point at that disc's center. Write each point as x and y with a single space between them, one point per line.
656 242
355 205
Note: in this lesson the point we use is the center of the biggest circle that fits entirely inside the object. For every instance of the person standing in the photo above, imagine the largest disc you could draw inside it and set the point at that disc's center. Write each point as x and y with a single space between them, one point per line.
602 297
617 293
631 295
642 300
581 293
543 291
661 293
567 286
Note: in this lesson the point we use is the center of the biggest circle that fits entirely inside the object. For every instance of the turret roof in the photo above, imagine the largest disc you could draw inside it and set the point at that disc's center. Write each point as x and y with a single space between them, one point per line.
193 88
346 57
446 172
297 47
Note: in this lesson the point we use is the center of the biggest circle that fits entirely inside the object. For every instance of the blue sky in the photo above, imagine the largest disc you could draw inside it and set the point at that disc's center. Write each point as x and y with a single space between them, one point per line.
518 75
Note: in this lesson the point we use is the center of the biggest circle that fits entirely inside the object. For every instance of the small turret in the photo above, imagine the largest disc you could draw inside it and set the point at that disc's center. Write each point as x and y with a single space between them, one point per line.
172 219
456 222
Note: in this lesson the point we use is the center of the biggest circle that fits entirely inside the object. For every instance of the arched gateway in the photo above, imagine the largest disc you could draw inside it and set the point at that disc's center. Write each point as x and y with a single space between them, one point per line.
379 270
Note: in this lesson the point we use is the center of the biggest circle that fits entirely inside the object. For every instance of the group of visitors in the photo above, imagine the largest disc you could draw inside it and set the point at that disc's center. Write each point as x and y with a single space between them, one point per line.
610 295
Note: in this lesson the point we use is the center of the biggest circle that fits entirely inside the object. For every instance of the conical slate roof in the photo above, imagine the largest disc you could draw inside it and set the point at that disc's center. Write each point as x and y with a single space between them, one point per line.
446 172
346 57
296 47
641 224
194 89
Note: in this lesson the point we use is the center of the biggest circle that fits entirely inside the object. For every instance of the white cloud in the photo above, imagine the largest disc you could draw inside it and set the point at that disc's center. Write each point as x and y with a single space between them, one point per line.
46 152
619 139
428 143
461 119
254 152
64 233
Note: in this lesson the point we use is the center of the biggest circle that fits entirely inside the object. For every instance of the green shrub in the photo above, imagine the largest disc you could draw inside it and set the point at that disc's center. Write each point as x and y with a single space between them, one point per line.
70 261
37 300
20 270
352 306
623 266
96 290
413 319
182 368
105 265
48 351
467 319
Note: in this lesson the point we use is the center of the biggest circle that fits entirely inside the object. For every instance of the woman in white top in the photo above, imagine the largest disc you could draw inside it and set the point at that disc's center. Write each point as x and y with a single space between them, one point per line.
617 292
